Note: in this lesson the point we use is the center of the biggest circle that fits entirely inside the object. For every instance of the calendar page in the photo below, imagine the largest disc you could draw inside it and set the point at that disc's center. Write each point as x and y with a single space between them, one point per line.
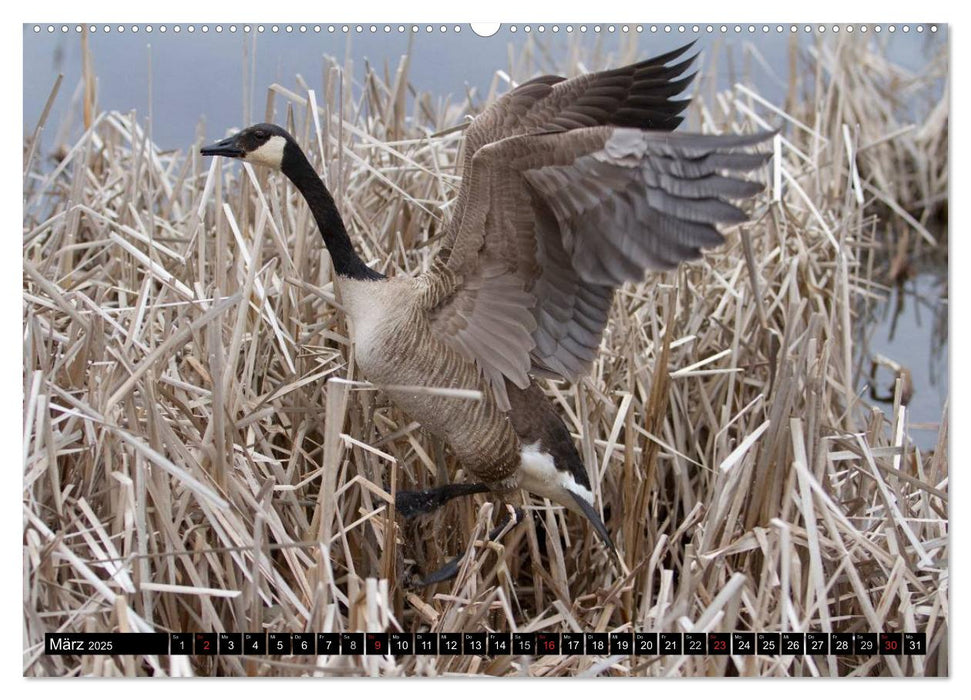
543 349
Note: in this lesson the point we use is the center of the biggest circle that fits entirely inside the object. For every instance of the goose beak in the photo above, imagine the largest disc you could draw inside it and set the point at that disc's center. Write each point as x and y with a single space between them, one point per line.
226 147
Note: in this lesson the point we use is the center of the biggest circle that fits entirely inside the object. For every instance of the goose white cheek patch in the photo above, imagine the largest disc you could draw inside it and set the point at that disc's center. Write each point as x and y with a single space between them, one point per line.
269 154
678 293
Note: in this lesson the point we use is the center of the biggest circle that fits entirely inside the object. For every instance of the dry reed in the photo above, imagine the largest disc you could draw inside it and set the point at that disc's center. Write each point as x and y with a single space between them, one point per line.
200 453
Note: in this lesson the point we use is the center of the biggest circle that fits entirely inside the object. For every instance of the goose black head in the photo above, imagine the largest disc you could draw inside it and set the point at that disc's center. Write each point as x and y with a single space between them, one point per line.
260 144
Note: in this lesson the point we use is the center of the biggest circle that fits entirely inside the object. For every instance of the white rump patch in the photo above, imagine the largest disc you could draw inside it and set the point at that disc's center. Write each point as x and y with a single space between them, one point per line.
269 154
538 474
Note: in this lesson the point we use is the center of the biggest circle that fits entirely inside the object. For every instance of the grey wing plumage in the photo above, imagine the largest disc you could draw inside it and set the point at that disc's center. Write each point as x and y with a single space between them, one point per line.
641 201
553 221
626 200
640 95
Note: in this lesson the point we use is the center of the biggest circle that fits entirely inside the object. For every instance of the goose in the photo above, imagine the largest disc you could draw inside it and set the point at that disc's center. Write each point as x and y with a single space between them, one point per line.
570 189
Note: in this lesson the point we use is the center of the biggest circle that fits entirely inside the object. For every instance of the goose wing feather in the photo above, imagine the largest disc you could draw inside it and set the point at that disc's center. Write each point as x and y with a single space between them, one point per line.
556 221
640 95
570 189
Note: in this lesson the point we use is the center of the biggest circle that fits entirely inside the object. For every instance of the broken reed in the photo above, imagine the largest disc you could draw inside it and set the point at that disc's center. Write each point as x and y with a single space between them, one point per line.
200 452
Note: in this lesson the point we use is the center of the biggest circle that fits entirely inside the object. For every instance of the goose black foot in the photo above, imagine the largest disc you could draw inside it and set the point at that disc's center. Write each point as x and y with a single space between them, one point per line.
451 569
411 503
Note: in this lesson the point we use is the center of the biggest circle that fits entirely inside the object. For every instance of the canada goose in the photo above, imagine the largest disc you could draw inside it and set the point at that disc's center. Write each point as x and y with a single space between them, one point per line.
570 188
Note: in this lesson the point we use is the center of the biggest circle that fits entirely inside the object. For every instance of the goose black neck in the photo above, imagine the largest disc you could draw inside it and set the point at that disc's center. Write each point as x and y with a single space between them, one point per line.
347 262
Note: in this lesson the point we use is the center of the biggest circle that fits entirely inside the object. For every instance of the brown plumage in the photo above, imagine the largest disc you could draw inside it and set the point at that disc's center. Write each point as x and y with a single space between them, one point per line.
570 188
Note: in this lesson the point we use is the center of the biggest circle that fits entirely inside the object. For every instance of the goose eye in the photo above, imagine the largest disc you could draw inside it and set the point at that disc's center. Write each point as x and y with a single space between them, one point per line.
260 134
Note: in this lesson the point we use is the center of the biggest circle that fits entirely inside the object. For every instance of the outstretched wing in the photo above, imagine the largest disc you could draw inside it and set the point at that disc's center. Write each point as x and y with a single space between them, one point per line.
554 222
640 95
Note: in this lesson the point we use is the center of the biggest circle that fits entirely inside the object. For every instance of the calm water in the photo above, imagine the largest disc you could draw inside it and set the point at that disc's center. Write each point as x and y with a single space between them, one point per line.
911 328
199 76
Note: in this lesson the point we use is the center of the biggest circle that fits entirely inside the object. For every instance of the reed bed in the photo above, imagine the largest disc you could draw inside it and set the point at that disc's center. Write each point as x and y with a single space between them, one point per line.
201 453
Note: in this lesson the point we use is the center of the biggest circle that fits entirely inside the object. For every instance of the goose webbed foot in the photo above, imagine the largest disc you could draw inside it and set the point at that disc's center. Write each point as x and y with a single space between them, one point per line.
411 503
451 568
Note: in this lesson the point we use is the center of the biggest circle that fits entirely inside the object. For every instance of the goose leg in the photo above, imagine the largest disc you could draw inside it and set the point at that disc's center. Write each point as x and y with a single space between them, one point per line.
451 569
411 503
